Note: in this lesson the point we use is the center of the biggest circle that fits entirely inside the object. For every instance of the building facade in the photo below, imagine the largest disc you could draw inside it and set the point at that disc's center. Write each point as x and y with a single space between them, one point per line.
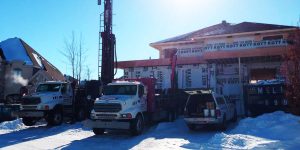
22 66
223 57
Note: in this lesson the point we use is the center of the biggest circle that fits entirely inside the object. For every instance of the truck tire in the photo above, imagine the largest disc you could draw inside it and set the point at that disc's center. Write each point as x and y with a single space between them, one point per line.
137 125
192 127
234 119
172 115
29 121
223 125
98 131
55 117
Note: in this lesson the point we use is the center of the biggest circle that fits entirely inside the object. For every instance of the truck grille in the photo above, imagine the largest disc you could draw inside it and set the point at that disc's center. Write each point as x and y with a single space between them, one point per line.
31 100
106 116
107 107
24 107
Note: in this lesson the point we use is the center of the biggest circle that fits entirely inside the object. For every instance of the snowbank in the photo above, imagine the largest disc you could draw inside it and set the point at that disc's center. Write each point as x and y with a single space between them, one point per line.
270 131
276 130
10 126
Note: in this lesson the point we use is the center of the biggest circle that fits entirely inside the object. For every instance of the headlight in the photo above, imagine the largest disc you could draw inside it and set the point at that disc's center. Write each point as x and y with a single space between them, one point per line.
128 115
43 107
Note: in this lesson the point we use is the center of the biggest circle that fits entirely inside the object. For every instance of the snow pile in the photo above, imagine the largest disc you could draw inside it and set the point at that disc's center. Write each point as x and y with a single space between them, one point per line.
10 126
274 130
167 135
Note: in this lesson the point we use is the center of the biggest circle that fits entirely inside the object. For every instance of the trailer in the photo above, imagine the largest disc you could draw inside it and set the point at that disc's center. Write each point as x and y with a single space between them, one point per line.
265 97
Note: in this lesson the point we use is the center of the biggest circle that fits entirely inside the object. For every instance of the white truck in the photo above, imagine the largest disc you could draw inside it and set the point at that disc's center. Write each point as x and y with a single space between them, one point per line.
127 105
54 100
204 107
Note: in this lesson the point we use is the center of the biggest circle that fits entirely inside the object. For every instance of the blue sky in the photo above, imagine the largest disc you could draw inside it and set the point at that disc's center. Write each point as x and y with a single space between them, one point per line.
45 24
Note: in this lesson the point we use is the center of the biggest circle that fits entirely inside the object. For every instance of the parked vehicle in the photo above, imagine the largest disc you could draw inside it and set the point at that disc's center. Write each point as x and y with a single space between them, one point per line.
129 105
204 107
55 101
265 97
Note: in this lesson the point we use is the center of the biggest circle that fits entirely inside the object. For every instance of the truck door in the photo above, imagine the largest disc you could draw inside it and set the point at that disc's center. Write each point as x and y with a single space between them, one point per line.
222 106
142 98
67 94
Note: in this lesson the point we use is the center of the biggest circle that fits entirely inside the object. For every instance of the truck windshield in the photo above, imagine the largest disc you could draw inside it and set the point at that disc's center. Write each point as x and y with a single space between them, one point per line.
120 90
48 88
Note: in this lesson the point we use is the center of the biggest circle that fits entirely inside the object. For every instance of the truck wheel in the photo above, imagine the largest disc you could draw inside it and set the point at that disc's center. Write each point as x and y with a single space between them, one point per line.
171 116
223 125
192 127
234 119
98 131
137 125
55 117
29 121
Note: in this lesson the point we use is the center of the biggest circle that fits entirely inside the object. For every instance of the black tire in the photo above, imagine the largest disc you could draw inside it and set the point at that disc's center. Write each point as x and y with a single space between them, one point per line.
55 117
81 115
234 119
192 127
137 125
223 125
29 121
170 117
98 131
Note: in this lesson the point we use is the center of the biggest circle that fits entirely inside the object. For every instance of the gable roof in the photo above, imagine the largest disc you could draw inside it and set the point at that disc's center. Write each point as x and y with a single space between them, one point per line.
225 28
1 54
16 49
40 62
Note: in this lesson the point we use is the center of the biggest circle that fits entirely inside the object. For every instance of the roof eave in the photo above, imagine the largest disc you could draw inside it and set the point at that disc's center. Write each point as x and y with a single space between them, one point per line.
159 46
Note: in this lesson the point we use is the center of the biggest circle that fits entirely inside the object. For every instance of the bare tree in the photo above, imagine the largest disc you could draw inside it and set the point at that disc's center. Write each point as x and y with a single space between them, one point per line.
75 54
88 73
291 70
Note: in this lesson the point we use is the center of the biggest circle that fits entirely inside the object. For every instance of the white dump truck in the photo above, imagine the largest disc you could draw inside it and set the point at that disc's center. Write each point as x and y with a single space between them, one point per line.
54 101
128 105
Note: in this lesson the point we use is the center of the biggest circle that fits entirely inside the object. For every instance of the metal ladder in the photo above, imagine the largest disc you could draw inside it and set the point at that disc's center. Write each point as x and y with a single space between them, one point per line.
100 45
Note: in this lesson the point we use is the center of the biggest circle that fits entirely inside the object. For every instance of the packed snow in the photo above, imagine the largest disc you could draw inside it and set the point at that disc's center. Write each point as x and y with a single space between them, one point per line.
276 130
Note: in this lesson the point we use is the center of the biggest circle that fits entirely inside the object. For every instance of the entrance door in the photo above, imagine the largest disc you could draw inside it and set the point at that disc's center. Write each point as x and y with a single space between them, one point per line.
263 74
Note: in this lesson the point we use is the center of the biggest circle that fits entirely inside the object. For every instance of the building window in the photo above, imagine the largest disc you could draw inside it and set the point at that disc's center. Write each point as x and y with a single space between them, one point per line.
138 74
145 68
274 37
17 72
170 52
131 69
204 81
159 80
188 74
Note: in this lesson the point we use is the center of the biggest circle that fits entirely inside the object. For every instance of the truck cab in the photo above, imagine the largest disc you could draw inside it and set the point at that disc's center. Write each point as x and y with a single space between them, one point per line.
204 107
47 102
122 106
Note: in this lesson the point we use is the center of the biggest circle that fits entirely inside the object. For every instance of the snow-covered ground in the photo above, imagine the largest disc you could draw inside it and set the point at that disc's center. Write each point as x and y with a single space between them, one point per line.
270 131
